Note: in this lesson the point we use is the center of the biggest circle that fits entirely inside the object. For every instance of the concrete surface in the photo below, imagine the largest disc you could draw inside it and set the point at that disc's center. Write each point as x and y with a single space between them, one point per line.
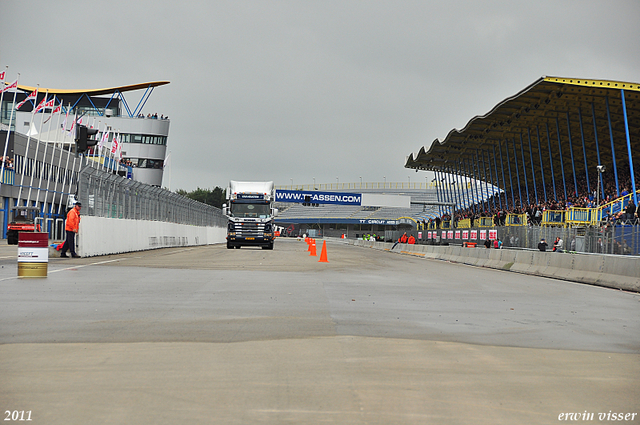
210 335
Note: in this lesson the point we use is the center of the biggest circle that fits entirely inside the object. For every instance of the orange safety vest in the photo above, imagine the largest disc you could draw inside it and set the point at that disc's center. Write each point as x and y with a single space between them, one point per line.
73 221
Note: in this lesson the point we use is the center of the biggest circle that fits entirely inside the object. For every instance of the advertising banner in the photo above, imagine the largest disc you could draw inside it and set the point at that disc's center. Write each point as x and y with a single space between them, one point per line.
474 234
316 197
33 254
493 234
465 234
450 234
483 234
457 234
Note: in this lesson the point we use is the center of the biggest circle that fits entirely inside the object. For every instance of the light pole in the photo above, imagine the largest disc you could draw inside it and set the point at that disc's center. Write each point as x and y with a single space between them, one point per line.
291 184
360 182
314 183
601 169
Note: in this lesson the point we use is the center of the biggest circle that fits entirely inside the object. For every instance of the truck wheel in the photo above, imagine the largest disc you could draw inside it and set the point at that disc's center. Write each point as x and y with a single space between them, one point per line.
12 237
229 246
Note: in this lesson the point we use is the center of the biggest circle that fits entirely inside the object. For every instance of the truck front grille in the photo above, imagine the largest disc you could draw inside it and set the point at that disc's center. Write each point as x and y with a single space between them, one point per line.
249 230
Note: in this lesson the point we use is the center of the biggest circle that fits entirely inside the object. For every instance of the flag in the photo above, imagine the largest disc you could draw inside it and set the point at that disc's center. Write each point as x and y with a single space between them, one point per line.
114 144
119 149
32 96
45 105
166 161
56 110
2 75
73 127
104 139
40 105
10 86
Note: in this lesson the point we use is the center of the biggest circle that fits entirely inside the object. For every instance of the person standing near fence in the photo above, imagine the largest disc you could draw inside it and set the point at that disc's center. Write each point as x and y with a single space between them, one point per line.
71 227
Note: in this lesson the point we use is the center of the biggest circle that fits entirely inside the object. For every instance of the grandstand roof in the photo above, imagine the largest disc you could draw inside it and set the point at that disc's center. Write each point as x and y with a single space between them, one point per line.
96 92
534 120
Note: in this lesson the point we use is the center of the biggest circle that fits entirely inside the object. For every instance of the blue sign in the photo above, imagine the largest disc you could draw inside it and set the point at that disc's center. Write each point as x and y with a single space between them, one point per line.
315 197
250 196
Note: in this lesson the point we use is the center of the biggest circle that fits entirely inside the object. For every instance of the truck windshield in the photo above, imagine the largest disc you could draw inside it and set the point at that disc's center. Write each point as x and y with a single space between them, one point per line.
250 210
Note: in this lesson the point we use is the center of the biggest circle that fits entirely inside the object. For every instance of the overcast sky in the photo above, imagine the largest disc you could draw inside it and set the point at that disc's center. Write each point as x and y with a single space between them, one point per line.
281 90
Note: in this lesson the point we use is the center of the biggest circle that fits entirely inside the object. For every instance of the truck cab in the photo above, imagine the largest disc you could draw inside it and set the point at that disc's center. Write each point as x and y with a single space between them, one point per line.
250 212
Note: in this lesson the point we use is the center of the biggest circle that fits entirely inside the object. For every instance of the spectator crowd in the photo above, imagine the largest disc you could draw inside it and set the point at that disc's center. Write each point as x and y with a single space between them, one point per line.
496 206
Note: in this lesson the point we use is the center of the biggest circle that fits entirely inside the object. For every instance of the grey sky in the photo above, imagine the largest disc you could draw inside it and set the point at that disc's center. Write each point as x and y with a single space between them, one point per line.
281 90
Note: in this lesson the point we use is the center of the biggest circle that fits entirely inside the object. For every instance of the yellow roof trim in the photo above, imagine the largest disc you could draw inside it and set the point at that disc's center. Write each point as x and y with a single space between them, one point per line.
605 84
96 92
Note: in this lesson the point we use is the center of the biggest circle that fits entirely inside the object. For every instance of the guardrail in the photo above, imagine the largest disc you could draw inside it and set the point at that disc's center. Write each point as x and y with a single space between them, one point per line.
464 223
580 216
554 218
484 222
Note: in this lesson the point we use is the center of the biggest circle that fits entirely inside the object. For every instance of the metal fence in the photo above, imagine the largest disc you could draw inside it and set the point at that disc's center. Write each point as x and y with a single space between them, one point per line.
622 240
619 239
109 195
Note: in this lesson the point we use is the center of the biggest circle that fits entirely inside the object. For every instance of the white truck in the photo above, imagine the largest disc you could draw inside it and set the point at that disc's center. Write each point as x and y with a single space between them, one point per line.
250 211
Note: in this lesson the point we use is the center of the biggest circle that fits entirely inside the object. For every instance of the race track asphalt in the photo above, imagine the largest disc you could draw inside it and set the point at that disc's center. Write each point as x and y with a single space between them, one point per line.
210 335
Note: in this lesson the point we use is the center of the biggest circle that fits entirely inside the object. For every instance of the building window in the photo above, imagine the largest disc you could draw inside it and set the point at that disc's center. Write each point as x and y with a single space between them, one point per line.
144 139
144 163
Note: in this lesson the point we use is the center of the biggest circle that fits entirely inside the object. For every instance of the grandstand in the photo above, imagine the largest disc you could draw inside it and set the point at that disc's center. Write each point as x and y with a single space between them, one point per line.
562 153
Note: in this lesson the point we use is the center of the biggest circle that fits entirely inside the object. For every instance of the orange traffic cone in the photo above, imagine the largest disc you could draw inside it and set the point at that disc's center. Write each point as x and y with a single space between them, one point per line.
323 254
312 248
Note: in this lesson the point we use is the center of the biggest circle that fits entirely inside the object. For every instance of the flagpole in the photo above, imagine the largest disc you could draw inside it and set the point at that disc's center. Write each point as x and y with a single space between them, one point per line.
94 153
35 157
66 167
105 150
53 155
113 150
103 156
44 158
26 155
6 143
96 148
73 167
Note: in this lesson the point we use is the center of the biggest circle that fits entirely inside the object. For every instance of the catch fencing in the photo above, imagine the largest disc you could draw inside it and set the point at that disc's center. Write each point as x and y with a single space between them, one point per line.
112 196
620 239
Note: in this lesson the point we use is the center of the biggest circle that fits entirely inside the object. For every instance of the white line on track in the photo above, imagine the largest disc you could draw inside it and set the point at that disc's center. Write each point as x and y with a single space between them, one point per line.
79 266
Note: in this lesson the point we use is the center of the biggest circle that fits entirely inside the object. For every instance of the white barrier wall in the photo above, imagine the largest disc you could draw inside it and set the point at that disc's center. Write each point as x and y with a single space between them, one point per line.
103 236
612 271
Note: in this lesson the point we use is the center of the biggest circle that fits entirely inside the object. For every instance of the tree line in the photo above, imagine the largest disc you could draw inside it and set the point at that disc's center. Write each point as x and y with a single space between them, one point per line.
216 196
